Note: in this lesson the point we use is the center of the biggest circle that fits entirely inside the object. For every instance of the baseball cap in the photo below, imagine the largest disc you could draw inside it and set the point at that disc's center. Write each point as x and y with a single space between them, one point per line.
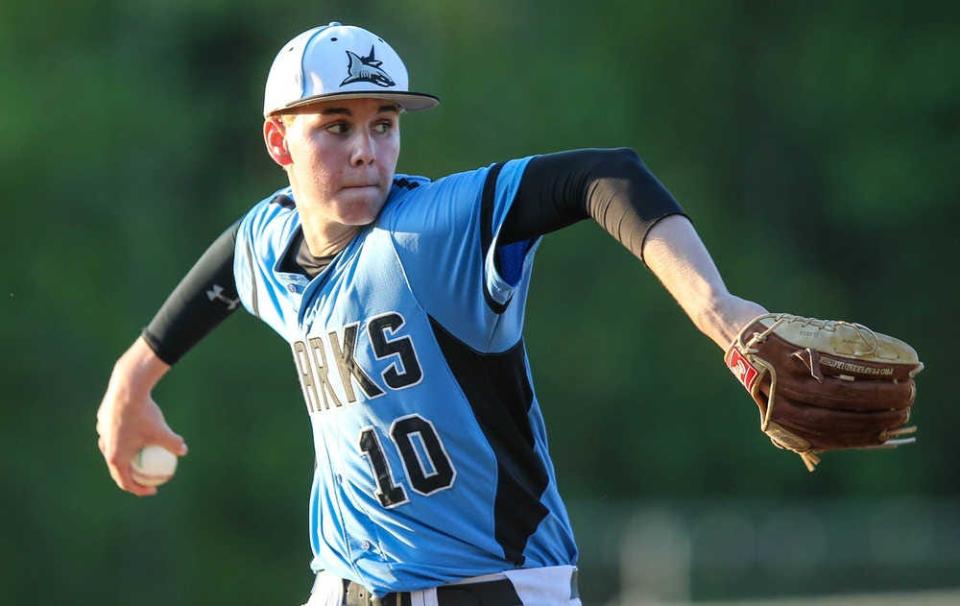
342 62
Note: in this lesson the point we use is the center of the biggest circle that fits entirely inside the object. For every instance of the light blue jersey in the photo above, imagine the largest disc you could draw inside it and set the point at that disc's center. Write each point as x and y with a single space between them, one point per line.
431 453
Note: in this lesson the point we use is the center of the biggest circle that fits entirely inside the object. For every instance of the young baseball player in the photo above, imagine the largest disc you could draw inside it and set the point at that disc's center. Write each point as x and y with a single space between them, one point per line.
402 300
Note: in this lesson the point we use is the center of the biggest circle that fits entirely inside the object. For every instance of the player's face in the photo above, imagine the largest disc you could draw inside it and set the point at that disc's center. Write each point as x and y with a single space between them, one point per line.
342 158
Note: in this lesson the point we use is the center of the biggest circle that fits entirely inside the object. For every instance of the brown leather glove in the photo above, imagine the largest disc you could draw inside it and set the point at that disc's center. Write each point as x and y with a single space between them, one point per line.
824 385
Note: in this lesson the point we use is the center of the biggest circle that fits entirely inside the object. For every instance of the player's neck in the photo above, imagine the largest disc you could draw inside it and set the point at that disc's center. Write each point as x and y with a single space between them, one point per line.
323 237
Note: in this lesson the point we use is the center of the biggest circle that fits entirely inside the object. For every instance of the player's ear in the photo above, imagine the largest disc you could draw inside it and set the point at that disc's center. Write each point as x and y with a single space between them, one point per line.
275 138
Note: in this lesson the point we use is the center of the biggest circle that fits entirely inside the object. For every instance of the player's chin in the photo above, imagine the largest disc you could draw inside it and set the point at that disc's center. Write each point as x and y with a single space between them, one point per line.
359 205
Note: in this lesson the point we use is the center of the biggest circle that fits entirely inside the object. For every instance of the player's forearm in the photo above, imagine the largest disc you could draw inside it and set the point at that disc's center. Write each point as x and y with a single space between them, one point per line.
677 256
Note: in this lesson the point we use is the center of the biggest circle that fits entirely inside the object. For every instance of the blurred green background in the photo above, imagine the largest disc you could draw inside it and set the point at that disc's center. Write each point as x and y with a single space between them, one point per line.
814 145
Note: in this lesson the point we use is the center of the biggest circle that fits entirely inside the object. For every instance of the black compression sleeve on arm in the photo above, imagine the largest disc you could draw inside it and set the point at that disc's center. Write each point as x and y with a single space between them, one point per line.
611 185
202 300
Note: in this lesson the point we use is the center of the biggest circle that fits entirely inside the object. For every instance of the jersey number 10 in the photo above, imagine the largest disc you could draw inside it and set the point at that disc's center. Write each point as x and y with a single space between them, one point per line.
426 477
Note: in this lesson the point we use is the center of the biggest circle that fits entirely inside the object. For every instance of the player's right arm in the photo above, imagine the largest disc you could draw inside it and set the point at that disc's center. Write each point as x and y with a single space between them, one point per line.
128 418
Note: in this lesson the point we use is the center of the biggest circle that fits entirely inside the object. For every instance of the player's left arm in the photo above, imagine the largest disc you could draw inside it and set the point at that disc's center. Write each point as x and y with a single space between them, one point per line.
818 385
616 189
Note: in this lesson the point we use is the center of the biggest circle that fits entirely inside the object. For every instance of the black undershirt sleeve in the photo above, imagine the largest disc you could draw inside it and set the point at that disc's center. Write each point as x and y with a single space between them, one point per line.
613 186
205 297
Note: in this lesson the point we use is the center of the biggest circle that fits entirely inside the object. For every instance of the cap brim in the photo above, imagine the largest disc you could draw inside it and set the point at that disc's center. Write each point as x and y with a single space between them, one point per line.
411 102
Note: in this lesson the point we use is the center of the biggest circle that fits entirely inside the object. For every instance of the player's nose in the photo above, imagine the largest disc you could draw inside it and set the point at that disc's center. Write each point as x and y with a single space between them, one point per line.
364 150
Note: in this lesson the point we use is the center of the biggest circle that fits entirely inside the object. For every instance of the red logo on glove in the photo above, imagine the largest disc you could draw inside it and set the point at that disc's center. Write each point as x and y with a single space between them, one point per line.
742 369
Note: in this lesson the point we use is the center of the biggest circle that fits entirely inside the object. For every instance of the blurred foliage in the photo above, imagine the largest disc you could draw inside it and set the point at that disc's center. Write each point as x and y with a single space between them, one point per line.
813 145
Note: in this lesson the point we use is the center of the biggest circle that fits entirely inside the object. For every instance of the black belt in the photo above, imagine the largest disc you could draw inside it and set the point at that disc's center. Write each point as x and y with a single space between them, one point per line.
487 593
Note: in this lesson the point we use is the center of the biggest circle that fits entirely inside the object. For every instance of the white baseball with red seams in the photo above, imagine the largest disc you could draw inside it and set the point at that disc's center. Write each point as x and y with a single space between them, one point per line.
153 465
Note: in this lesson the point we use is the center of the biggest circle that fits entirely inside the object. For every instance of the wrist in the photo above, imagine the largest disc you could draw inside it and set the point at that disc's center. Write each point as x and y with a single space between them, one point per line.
725 316
139 369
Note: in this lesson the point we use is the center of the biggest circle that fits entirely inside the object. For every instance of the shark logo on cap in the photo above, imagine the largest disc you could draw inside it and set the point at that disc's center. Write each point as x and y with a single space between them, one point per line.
366 69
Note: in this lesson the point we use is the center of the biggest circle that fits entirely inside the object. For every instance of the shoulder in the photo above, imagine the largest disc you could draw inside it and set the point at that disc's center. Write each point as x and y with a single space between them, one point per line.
417 203
279 204
426 201
273 217
413 187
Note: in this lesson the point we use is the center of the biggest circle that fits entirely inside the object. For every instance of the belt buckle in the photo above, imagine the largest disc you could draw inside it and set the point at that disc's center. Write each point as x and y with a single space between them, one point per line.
356 594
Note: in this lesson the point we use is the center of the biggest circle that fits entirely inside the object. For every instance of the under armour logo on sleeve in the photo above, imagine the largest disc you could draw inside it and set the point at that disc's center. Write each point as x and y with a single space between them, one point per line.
216 294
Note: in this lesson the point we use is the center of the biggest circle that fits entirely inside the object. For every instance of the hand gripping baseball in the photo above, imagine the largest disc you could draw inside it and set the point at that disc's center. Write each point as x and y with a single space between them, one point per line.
825 385
128 418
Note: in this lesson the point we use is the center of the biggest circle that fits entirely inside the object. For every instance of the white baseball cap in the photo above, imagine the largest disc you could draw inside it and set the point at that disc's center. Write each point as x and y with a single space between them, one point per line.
342 62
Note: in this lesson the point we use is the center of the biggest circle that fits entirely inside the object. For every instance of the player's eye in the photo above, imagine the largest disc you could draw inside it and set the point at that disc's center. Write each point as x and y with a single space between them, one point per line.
337 128
383 127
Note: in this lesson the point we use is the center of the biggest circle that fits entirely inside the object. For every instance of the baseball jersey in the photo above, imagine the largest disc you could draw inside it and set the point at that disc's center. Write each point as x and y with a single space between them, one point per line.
431 452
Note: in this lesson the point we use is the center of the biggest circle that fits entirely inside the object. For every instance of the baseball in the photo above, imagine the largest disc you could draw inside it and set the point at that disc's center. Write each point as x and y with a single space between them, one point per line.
153 465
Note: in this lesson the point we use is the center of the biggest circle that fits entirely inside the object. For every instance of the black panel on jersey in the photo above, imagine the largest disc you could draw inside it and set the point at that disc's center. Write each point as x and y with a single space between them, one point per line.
405 183
611 185
500 395
284 201
202 300
487 200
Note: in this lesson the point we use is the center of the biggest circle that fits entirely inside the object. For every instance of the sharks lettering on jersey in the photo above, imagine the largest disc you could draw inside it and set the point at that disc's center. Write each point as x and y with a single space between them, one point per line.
318 356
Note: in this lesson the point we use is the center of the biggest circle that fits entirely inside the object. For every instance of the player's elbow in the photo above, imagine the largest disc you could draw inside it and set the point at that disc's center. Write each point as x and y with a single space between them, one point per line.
618 163
625 155
612 155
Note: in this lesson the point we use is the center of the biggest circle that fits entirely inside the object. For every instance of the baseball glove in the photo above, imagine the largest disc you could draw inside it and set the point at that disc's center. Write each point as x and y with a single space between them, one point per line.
823 385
